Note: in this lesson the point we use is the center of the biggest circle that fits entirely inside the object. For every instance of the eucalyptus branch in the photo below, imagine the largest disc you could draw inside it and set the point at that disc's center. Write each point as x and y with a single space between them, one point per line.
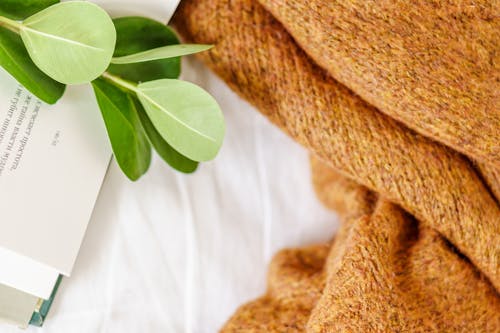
134 77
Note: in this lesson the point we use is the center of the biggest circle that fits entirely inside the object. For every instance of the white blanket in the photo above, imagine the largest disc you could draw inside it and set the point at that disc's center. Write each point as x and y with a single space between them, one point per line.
179 253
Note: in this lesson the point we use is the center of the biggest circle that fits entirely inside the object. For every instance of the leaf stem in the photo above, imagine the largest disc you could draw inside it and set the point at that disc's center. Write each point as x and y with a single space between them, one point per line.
12 25
129 85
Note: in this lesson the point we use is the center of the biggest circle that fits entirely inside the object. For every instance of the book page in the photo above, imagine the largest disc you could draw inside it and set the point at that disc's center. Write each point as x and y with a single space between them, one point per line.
16 307
23 273
52 162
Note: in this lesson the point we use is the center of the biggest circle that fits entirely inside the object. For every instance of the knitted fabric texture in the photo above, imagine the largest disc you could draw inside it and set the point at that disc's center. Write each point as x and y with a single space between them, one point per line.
398 103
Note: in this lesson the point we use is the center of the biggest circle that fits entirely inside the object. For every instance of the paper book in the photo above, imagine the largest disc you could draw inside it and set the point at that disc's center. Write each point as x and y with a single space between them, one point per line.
53 159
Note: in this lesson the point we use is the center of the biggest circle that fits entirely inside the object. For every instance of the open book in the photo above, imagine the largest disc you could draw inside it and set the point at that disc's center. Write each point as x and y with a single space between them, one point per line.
53 159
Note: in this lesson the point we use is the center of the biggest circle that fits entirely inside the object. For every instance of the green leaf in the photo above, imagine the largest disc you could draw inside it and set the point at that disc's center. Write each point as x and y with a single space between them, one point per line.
72 42
137 34
185 115
15 59
128 140
163 52
169 154
18 10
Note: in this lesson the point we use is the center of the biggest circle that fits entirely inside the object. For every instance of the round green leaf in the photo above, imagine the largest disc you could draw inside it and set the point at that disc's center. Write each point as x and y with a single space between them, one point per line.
137 34
185 115
163 52
72 42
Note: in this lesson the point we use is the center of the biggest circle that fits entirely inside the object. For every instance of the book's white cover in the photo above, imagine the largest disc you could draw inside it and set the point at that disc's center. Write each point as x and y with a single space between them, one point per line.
53 159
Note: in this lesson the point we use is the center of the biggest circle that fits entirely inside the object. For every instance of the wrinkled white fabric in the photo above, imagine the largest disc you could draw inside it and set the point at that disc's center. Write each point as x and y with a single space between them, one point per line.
179 253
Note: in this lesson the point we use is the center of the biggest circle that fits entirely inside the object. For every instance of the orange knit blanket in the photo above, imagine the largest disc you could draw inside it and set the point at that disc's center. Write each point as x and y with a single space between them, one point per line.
398 102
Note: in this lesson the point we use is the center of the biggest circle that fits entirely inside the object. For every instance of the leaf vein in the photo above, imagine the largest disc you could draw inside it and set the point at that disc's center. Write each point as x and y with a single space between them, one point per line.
175 118
63 39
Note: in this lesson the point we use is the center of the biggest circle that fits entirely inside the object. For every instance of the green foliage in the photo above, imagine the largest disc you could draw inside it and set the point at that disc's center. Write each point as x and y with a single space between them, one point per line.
18 10
164 52
72 42
15 59
138 34
142 104
128 140
185 115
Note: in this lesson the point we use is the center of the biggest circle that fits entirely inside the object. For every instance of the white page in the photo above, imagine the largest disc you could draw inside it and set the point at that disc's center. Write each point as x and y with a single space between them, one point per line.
48 191
160 10
16 307
26 274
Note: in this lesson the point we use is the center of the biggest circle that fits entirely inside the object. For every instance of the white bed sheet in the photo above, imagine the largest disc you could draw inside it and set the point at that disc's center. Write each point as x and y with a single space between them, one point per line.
179 253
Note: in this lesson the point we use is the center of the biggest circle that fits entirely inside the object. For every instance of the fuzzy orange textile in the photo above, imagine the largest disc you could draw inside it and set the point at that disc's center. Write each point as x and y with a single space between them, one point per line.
398 102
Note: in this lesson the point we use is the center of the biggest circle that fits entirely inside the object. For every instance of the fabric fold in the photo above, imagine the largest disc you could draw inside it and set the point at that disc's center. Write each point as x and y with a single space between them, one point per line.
383 273
433 64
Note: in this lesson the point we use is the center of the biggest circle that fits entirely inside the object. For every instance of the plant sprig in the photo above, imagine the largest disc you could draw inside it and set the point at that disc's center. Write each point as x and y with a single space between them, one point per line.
132 63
